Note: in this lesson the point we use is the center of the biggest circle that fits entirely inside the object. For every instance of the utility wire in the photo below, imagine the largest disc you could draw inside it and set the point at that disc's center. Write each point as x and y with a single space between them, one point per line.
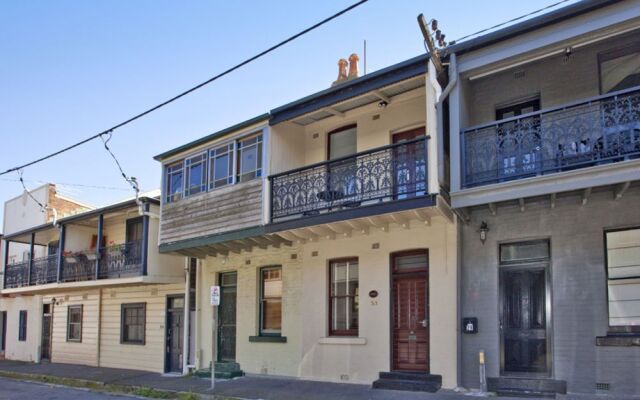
510 21
130 180
42 207
186 92
79 185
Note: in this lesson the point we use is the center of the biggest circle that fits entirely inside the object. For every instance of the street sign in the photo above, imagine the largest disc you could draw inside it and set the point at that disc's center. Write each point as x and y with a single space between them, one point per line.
215 295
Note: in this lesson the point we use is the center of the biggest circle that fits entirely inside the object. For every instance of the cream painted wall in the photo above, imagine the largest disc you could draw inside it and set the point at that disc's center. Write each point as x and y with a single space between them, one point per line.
257 358
23 213
406 111
308 352
78 237
147 357
29 349
86 351
162 265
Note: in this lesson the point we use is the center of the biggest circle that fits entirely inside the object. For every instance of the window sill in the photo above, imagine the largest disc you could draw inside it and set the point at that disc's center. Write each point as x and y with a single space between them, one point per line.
343 340
268 339
618 341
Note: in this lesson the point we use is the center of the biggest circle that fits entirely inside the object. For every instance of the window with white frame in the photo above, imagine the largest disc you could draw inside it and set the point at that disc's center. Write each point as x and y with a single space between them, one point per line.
174 182
623 278
221 166
238 161
249 158
196 174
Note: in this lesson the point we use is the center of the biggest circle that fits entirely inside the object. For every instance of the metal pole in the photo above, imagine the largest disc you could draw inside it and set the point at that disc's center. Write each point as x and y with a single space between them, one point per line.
483 373
6 262
63 230
213 347
98 244
31 250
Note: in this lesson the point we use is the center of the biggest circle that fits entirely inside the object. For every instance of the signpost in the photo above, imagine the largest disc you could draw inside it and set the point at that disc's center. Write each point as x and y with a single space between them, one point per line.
215 302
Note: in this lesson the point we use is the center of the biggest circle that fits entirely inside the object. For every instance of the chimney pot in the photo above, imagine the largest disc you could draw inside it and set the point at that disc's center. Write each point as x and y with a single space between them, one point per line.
353 66
342 72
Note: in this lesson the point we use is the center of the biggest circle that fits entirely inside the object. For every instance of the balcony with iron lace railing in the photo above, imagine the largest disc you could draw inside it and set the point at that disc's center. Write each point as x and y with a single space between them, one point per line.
381 175
596 131
115 261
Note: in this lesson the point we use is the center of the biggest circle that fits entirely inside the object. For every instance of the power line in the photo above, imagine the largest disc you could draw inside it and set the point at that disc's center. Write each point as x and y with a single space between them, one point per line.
510 21
42 207
188 91
80 185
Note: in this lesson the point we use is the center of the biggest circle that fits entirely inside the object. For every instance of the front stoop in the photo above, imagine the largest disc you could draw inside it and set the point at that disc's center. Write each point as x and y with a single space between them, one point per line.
527 387
224 370
410 381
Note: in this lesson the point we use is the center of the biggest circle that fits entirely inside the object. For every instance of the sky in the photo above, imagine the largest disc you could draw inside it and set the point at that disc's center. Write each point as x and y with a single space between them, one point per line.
70 69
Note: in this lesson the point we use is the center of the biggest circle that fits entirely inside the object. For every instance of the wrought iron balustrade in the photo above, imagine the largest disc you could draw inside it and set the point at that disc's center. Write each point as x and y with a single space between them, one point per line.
44 270
604 129
17 275
383 174
121 260
79 266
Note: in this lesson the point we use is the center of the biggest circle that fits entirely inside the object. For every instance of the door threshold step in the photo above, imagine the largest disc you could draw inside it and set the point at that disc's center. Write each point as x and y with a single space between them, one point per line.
411 376
409 381
526 394
527 387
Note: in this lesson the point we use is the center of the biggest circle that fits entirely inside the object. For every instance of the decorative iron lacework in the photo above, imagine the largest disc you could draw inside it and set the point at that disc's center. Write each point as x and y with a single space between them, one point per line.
602 130
383 174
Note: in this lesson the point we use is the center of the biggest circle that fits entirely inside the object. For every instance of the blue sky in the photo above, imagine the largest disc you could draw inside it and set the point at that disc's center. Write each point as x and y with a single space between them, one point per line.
70 69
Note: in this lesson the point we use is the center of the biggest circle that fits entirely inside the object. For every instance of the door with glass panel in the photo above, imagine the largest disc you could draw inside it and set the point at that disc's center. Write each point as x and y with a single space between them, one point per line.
525 308
409 164
175 333
519 140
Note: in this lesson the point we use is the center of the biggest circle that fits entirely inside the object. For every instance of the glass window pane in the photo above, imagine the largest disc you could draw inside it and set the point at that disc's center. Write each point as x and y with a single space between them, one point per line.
250 158
342 143
620 73
414 261
521 252
272 315
339 317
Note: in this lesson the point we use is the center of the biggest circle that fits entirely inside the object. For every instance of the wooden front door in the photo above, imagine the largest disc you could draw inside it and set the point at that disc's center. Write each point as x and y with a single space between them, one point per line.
47 319
410 311
227 317
524 320
409 169
175 333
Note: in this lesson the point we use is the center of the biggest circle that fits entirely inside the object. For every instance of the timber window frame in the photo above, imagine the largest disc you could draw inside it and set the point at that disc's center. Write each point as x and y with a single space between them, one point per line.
244 158
616 259
72 311
273 274
130 319
347 294
22 325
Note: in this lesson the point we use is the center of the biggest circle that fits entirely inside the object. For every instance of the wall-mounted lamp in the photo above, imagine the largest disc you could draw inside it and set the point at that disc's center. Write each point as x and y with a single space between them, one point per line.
484 228
383 104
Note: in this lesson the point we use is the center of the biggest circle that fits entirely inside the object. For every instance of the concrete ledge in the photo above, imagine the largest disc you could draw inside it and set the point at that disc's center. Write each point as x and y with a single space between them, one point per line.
268 339
343 340
618 341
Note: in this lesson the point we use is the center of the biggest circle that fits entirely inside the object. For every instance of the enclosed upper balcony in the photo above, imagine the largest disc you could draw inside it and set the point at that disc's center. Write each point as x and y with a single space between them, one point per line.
114 242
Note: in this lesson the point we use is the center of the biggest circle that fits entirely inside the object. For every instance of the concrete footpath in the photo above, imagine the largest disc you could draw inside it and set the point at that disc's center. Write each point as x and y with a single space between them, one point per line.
248 387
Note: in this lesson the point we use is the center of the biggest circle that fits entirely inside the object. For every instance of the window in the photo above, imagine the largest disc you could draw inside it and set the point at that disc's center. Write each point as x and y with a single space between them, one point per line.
132 325
342 142
341 174
22 326
221 166
514 157
134 230
343 297
271 301
623 271
196 169
249 158
620 68
175 183
74 323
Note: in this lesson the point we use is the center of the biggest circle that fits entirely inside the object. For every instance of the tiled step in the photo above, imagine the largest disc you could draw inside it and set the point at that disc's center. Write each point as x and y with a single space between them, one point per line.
224 370
409 381
526 387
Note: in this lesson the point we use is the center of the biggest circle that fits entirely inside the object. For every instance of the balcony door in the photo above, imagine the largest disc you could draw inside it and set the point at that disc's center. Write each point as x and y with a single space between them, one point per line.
3 332
409 166
519 140
341 173
133 247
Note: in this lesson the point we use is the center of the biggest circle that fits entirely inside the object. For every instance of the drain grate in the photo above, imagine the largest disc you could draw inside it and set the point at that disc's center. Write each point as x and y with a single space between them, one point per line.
602 386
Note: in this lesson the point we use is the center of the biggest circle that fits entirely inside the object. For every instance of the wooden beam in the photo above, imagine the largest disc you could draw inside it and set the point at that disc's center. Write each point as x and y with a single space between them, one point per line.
292 237
422 216
493 208
334 112
464 214
621 189
307 234
322 231
279 240
521 202
382 96
359 226
401 220
585 196
384 226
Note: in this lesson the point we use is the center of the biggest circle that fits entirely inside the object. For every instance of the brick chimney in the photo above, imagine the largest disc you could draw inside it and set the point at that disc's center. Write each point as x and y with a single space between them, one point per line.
342 72
353 66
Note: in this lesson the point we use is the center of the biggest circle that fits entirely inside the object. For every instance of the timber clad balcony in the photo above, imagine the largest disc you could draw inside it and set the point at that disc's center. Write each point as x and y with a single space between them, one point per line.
600 130
117 261
384 174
